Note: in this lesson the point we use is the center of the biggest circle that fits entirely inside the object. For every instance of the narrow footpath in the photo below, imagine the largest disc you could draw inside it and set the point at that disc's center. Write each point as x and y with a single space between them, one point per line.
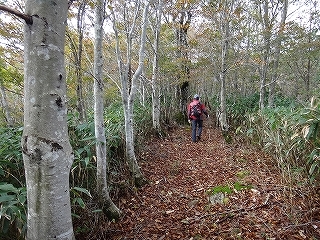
213 190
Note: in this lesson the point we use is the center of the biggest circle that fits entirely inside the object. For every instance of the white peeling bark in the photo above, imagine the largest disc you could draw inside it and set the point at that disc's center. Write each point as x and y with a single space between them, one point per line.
110 209
47 152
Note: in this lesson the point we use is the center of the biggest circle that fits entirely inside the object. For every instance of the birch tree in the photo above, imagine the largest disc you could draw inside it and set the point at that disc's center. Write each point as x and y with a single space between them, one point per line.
279 37
155 70
78 59
47 153
129 81
109 208
305 61
183 21
227 8
266 34
5 104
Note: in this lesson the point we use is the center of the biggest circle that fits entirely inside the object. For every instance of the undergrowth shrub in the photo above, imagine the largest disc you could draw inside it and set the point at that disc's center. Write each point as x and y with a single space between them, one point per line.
115 133
289 133
11 163
118 175
82 139
306 137
13 204
238 107
12 185
13 211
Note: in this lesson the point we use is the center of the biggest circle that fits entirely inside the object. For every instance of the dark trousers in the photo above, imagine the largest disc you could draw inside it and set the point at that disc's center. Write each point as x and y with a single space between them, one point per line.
196 129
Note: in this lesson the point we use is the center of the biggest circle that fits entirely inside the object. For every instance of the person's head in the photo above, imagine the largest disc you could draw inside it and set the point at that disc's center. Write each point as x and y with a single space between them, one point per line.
196 97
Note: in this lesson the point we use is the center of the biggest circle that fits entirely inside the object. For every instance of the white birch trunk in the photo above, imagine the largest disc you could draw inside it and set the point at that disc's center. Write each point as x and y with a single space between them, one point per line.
155 71
128 91
224 51
47 153
110 209
5 105
266 53
78 62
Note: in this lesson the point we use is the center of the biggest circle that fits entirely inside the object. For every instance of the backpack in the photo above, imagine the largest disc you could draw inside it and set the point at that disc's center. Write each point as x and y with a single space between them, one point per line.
196 110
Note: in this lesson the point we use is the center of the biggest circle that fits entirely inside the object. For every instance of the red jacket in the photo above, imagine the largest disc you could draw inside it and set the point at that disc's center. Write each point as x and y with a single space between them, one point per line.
202 106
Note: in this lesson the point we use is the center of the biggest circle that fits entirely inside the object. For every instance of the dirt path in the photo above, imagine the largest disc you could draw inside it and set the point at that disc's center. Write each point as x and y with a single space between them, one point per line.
175 205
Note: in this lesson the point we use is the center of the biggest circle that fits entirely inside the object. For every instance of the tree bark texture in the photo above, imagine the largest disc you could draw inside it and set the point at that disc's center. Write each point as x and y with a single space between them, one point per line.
225 33
5 105
47 152
184 22
266 51
109 208
155 72
78 62
129 87
277 54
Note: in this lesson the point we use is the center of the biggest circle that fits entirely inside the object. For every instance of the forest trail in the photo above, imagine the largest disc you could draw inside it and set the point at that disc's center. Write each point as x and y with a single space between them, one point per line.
175 204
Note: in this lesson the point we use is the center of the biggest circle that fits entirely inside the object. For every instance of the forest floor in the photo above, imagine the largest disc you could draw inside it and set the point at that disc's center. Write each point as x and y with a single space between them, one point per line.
186 178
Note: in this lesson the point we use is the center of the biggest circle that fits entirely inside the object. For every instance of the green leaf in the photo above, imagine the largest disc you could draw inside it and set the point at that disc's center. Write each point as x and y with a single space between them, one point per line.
81 203
8 188
8 204
221 189
83 190
75 215
87 161
88 138
22 198
79 151
16 210
238 186
7 198
313 167
97 211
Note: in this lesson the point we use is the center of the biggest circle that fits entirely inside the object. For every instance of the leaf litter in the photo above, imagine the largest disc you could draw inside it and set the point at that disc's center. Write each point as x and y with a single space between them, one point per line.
182 176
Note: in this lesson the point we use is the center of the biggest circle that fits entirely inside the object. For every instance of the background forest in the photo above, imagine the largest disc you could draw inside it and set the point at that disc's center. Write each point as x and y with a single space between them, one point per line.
255 64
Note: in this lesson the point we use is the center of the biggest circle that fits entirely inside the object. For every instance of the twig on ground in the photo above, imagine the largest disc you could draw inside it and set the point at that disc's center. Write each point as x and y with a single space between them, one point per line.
301 225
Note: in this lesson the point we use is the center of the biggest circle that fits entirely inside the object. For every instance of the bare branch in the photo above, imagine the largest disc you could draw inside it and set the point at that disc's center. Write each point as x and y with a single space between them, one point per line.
25 17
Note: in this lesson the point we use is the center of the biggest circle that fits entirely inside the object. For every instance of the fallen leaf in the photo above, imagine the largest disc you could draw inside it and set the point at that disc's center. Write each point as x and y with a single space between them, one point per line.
170 211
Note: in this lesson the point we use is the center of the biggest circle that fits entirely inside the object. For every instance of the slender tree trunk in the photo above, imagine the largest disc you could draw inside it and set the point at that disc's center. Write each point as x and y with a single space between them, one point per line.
47 152
306 76
266 53
182 58
128 90
78 63
155 72
5 105
109 208
277 54
224 55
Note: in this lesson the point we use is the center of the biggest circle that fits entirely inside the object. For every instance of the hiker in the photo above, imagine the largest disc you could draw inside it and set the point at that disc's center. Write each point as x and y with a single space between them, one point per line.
196 110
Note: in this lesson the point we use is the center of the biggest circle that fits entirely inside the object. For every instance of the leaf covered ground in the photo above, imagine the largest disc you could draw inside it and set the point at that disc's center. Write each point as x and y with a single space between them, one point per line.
183 176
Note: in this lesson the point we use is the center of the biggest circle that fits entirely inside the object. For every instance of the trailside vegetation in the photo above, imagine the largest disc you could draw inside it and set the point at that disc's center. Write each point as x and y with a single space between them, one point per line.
254 64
